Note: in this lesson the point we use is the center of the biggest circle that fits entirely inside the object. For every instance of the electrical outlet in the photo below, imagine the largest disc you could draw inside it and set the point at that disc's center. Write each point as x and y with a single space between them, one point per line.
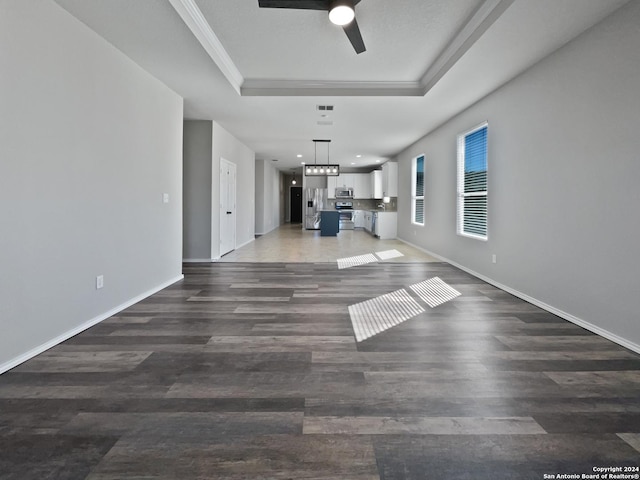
494 258
99 282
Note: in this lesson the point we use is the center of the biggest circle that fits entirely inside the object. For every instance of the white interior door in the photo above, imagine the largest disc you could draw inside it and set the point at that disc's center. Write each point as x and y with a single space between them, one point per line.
227 206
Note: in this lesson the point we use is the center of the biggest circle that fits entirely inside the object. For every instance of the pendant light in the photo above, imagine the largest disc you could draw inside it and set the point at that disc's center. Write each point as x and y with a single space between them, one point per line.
332 170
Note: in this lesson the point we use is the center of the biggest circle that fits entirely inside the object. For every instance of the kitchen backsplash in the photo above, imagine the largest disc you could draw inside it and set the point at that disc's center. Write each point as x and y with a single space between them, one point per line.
370 204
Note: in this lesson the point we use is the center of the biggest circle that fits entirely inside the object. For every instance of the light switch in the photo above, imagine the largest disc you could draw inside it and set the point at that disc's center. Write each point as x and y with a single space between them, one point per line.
165 198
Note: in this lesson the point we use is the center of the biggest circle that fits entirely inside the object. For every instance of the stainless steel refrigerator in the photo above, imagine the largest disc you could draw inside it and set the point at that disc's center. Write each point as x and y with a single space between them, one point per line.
315 200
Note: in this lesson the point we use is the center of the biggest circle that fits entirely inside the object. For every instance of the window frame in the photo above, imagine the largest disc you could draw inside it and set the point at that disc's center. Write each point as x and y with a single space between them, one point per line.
461 194
414 180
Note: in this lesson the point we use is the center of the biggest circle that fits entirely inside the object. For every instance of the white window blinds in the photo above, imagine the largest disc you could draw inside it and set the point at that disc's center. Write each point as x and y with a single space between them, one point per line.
472 183
417 191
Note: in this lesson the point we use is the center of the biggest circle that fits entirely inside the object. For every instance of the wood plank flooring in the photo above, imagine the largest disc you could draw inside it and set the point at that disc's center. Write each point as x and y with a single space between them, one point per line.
252 371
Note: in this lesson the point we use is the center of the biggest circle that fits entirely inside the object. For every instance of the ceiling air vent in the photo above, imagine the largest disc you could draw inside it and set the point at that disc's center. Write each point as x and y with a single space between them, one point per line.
325 108
325 122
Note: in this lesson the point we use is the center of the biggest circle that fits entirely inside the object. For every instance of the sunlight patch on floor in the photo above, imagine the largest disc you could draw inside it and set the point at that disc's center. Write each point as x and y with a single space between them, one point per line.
387 254
382 313
356 260
435 292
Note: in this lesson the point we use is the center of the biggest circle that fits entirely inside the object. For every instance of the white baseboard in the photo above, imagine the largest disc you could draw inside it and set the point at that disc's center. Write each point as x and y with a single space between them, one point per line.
538 303
217 259
245 243
270 230
14 362
197 260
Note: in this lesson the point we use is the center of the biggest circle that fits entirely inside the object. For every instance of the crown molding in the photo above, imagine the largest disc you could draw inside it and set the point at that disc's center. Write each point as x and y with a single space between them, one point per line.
194 19
319 88
476 25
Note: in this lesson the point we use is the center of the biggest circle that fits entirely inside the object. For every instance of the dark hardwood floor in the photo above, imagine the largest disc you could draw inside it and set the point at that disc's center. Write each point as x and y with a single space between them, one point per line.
252 371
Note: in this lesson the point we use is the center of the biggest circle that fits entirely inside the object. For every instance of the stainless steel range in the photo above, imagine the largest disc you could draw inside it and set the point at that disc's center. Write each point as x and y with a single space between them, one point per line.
346 215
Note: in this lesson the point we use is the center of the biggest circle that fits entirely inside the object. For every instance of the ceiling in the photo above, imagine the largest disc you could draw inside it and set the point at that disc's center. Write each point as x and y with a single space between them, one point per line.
261 73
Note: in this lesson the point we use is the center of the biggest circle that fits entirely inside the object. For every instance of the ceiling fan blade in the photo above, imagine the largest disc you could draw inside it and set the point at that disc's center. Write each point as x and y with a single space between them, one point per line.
353 32
297 4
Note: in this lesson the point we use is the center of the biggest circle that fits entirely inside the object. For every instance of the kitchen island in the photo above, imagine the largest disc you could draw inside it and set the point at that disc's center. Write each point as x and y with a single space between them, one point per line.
329 223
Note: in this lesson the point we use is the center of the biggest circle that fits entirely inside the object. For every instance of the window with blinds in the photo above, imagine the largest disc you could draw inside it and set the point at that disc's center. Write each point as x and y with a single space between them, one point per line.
417 191
472 183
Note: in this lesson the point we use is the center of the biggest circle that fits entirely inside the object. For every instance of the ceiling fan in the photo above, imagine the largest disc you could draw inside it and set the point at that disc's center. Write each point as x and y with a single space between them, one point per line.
341 12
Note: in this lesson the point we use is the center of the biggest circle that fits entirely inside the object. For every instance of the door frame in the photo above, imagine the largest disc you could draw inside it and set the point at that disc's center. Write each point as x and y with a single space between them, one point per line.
226 165
291 198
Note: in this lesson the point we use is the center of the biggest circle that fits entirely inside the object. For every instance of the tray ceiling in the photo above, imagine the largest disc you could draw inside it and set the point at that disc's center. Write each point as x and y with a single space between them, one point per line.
260 73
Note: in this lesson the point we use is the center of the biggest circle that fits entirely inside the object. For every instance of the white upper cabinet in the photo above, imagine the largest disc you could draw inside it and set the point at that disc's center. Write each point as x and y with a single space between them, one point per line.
376 184
332 183
346 180
362 185
390 179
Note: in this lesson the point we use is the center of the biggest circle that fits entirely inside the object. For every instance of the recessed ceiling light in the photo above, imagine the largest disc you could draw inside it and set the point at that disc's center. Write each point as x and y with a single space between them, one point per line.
303 163
377 161
358 156
353 163
299 156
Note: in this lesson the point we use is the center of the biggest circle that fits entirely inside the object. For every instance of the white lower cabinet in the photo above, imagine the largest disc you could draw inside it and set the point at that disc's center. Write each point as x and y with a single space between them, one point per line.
386 225
383 225
358 218
368 221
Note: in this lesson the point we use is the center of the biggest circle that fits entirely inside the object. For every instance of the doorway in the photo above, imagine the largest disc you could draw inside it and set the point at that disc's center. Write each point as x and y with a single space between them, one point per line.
227 206
296 205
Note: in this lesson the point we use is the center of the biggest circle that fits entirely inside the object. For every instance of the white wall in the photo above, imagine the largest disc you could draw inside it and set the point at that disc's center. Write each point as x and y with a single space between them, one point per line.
197 190
563 169
259 192
230 148
205 142
89 143
269 190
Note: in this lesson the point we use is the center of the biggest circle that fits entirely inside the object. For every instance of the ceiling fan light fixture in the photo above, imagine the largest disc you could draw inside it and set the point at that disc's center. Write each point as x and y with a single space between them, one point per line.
341 14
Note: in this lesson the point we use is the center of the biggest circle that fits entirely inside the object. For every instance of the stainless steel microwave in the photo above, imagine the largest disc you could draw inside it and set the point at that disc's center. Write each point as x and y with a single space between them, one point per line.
344 192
